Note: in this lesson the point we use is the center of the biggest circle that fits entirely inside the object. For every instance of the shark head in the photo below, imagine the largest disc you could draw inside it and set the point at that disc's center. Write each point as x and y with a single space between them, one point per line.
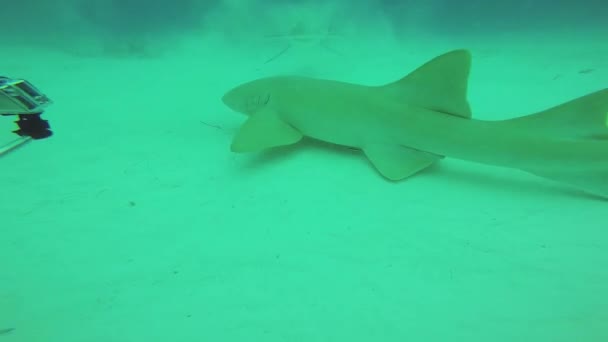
249 97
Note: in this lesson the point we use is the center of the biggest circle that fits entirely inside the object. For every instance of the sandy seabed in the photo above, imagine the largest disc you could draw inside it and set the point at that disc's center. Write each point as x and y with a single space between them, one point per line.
135 222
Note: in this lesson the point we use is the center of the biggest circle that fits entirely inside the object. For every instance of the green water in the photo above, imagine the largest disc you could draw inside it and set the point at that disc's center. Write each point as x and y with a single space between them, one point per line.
135 222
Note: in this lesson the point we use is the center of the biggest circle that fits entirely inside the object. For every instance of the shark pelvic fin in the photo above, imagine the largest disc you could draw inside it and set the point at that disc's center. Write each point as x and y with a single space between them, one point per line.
263 130
439 85
397 162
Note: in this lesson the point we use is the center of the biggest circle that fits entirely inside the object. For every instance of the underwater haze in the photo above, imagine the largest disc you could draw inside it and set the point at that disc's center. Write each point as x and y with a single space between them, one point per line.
136 222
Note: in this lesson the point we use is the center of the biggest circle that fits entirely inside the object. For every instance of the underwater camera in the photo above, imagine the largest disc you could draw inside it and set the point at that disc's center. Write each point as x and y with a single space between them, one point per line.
21 99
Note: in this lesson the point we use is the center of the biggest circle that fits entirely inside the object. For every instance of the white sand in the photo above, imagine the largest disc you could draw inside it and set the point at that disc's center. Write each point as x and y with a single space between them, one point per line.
136 223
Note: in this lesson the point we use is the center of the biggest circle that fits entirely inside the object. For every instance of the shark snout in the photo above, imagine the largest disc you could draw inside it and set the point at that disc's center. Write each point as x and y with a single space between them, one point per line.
248 98
226 98
231 100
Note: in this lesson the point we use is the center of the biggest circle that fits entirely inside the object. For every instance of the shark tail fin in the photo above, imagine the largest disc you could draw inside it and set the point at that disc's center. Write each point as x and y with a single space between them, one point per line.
580 129
583 118
440 84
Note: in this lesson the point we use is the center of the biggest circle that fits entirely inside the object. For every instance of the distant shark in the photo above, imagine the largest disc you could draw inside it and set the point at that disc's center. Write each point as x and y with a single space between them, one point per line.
408 125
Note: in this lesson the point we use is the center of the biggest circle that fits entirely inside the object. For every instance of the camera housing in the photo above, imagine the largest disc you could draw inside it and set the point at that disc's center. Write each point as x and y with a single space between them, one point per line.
20 98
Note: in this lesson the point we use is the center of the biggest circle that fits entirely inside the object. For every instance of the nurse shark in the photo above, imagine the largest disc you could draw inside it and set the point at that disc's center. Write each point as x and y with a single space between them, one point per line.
408 125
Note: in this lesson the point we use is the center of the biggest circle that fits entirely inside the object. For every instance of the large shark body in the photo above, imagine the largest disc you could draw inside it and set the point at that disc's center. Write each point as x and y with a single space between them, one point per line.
406 126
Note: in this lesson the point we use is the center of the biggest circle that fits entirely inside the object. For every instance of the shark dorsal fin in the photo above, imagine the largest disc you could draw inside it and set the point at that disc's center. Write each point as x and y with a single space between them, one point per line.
439 85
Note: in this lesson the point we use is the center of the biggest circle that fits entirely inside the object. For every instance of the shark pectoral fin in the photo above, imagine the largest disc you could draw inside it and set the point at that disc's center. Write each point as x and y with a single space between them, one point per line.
263 130
398 162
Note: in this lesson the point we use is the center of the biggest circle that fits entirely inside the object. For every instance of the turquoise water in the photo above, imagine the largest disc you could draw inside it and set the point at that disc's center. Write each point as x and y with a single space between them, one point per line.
135 222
